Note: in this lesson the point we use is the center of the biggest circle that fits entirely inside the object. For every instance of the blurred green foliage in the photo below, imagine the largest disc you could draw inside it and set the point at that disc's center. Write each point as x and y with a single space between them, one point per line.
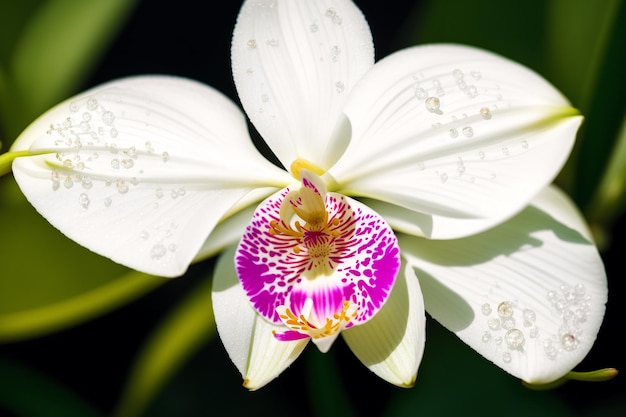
49 48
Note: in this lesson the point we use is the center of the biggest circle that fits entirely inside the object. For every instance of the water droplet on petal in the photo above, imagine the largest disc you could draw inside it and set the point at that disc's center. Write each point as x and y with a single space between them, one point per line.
432 104
84 201
468 132
86 183
251 44
122 187
493 323
420 93
505 309
529 317
569 342
486 309
108 118
158 251
485 113
92 104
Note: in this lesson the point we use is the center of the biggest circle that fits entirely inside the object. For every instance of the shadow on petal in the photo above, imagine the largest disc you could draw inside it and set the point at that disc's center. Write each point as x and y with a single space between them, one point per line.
459 316
499 241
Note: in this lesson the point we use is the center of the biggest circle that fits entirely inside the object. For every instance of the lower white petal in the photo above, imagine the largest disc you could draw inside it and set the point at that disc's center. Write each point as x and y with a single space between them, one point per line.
141 169
247 337
392 343
529 295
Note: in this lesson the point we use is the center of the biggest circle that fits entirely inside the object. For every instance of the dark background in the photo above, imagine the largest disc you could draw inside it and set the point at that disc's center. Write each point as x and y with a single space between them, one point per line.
192 39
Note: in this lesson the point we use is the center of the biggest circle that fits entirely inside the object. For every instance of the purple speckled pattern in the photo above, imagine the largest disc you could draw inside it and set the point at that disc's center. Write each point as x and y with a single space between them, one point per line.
354 258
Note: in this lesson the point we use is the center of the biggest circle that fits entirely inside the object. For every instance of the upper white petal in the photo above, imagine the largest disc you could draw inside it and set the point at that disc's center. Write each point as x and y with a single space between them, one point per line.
456 134
141 169
294 62
392 343
529 295
247 337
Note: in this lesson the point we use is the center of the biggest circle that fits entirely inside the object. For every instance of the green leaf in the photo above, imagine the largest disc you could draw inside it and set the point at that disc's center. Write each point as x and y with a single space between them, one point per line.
496 26
59 44
180 335
609 201
576 40
27 393
49 282
604 115
583 55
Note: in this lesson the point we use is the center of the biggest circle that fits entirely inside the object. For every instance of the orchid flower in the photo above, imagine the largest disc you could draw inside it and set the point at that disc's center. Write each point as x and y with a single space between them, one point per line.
417 183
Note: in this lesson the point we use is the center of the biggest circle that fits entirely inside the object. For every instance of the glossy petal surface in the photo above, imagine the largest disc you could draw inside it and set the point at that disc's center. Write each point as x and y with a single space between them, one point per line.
529 295
294 63
461 136
392 343
140 170
247 337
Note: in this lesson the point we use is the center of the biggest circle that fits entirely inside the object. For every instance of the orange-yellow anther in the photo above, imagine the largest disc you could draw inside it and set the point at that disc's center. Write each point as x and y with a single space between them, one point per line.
300 164
330 327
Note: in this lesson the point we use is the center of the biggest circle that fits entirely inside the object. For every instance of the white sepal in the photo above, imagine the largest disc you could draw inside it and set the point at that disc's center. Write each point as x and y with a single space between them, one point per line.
455 133
294 63
246 336
529 295
391 344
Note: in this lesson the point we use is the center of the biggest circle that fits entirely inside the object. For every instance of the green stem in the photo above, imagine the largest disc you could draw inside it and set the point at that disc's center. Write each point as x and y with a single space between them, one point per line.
6 159
591 376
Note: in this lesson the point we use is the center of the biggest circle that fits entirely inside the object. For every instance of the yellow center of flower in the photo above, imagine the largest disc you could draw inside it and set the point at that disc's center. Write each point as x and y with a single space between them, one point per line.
331 327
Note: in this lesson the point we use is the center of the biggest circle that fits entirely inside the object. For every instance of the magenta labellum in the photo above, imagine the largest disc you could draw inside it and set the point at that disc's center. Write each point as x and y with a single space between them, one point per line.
317 262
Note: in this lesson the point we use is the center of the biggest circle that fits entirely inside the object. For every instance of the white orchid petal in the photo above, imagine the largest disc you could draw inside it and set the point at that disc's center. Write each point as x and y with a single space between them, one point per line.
227 232
294 63
247 337
455 133
140 170
392 343
529 295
